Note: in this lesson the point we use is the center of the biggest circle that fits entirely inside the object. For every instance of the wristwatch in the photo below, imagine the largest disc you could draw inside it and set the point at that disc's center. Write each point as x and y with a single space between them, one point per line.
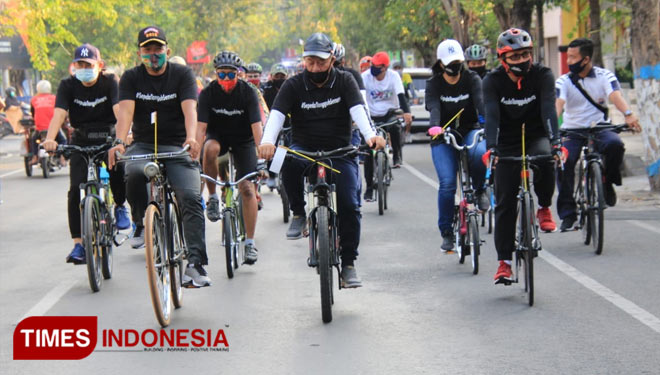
118 142
628 113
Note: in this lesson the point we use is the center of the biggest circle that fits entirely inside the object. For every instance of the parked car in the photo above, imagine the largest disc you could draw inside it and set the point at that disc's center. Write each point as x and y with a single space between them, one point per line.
421 116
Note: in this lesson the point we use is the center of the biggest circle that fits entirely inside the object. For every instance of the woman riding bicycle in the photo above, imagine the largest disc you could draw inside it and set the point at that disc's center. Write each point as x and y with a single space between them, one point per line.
452 89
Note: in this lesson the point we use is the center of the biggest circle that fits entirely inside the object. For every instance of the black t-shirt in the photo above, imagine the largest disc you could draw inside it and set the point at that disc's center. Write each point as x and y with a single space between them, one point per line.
508 107
229 115
320 116
89 107
444 101
356 75
162 94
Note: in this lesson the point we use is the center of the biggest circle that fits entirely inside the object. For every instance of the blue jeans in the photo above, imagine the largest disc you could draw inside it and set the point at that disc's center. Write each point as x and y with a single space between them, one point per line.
445 159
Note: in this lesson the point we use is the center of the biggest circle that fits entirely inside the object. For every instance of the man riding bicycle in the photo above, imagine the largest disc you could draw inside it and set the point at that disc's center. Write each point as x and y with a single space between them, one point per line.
160 100
229 115
475 55
579 113
322 101
515 94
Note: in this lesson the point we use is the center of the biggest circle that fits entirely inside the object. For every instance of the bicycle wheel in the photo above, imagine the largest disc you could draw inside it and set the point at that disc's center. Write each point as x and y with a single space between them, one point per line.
527 218
474 242
583 206
28 166
106 248
325 263
285 204
91 237
158 275
239 233
176 251
380 181
229 238
596 204
458 238
45 168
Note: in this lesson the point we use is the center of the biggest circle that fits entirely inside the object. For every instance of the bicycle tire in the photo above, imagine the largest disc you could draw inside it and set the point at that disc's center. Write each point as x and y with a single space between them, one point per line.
228 236
459 240
239 233
106 250
158 276
45 168
527 218
286 212
28 166
475 243
596 203
91 236
175 253
325 263
380 182
583 206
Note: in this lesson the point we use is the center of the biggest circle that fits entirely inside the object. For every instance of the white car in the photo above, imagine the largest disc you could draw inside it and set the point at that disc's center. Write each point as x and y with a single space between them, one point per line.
421 116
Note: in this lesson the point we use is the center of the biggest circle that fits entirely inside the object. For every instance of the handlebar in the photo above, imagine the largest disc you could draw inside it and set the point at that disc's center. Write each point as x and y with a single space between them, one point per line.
160 155
338 153
450 138
529 158
595 128
248 176
89 150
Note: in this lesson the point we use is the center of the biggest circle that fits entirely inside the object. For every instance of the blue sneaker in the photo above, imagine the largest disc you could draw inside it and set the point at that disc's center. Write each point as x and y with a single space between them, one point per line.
77 255
121 217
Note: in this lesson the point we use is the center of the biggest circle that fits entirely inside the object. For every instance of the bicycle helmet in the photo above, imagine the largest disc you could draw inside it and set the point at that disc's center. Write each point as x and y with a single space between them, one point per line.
339 52
513 39
253 67
397 64
475 52
227 59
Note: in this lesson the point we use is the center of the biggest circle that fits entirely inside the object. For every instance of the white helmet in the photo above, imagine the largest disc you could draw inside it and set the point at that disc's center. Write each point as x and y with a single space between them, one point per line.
450 50
43 87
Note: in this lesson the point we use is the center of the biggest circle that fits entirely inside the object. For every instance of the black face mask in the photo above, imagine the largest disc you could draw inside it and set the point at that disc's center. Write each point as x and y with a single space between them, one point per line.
454 69
577 67
317 77
277 83
481 70
520 69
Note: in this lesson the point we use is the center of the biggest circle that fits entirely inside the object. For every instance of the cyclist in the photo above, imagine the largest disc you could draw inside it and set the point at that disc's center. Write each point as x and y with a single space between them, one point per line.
384 94
601 85
451 89
230 117
167 93
42 107
516 93
253 74
90 99
365 64
475 55
322 101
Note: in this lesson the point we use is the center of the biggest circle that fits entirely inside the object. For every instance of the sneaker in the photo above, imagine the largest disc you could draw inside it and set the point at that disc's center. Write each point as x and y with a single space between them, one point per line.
296 228
250 254
369 195
138 238
349 277
396 166
567 224
503 274
546 222
483 201
77 255
213 209
610 194
196 276
447 242
121 218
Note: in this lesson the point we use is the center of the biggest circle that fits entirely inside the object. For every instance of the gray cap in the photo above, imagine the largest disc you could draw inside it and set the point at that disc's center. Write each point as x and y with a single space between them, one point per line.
318 45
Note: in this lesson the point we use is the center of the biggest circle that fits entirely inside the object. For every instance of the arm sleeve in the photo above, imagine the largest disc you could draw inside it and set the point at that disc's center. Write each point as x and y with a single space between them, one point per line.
252 106
273 127
492 108
203 107
432 101
403 103
548 109
188 86
63 98
477 95
359 116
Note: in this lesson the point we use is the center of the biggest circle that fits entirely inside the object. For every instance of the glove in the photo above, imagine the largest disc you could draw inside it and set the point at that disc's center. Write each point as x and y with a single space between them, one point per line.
561 152
436 130
485 158
482 120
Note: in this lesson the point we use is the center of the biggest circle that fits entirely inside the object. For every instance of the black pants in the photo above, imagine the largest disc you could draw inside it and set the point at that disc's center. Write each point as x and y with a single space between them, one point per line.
78 175
507 183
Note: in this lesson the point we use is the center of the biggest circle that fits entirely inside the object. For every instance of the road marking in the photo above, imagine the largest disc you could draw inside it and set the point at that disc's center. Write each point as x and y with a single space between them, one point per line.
644 225
50 299
10 173
617 300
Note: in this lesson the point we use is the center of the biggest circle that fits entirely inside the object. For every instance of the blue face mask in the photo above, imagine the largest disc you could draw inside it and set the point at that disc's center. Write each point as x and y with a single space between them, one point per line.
86 75
376 71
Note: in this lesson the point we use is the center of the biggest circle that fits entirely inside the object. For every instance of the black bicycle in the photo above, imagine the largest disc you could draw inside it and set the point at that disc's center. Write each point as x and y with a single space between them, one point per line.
589 192
283 140
164 242
382 166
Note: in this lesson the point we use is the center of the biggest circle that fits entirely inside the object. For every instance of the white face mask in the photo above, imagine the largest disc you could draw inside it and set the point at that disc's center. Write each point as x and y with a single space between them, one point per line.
87 74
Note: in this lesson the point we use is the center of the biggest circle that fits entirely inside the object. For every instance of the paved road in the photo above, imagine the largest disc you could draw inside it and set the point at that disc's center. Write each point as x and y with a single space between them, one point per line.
419 312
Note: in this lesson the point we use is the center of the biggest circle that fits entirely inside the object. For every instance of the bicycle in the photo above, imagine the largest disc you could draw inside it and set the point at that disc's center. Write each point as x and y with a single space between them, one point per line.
589 192
98 224
233 226
322 220
487 217
466 228
164 242
48 162
283 140
382 166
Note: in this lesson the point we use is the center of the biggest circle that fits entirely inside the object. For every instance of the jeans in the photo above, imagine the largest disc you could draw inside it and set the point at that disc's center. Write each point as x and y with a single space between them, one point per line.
611 149
183 176
445 159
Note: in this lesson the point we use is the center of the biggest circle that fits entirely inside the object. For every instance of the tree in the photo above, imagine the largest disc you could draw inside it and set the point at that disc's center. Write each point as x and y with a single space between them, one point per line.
516 13
594 31
645 36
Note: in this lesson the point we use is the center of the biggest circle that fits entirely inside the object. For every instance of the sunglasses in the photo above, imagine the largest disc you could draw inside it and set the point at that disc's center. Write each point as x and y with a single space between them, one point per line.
225 75
519 56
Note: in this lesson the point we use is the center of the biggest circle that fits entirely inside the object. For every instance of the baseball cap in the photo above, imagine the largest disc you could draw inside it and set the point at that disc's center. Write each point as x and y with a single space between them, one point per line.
151 34
318 45
381 58
450 50
87 53
278 68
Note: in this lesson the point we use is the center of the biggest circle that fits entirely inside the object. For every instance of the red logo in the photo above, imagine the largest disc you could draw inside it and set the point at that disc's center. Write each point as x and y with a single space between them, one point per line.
55 337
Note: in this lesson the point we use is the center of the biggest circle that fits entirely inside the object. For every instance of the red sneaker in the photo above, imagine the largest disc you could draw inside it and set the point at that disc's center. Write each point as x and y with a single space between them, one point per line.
503 274
546 222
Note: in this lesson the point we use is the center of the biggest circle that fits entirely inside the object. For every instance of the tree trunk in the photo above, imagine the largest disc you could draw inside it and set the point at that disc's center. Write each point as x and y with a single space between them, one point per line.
645 37
540 34
521 14
503 15
594 31
456 14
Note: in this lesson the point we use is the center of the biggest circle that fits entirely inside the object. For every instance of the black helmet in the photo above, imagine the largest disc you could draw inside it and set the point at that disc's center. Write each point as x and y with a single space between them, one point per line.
227 59
10 91
253 67
339 52
476 52
513 39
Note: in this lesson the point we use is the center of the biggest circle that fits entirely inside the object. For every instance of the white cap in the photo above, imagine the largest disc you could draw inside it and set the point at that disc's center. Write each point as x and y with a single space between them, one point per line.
450 50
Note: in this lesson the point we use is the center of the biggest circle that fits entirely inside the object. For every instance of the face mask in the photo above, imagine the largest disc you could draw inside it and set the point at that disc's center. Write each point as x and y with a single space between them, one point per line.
577 67
154 61
86 75
376 71
520 69
278 83
227 85
481 70
454 69
317 77
255 81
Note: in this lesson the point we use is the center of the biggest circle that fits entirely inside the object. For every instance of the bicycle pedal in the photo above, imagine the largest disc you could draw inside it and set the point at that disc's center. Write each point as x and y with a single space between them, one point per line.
310 264
503 281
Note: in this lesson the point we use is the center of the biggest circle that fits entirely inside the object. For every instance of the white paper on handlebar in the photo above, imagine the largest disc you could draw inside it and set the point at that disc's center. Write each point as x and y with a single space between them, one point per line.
278 160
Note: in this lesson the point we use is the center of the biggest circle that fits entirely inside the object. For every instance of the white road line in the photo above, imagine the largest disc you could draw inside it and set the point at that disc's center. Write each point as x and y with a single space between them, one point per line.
10 173
617 300
50 299
644 225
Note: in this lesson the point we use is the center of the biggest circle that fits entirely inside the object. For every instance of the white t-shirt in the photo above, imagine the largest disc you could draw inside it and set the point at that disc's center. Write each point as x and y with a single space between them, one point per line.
578 112
382 95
